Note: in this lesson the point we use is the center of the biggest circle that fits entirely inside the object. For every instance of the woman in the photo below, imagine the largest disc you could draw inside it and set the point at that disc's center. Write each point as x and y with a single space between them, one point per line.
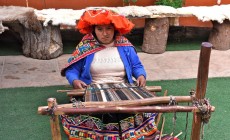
102 28
104 56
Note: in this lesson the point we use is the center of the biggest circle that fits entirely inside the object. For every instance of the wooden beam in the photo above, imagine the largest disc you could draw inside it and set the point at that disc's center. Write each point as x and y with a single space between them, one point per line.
131 110
123 103
81 92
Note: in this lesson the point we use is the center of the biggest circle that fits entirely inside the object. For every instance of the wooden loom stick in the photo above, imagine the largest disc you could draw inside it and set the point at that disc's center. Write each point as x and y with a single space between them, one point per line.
160 114
75 93
54 121
133 109
81 92
138 102
162 127
72 90
78 91
201 85
154 88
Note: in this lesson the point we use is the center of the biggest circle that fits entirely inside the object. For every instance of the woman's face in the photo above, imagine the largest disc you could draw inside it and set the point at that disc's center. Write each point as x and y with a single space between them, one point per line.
104 33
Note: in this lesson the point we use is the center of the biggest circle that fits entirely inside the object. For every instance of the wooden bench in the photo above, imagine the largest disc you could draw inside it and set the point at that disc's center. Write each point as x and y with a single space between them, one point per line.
40 29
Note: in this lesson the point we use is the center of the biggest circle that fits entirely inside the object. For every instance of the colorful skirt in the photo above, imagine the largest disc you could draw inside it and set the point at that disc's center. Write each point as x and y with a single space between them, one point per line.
109 126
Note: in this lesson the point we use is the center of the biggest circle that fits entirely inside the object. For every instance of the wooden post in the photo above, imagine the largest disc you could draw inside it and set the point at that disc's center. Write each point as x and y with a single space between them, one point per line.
54 120
202 79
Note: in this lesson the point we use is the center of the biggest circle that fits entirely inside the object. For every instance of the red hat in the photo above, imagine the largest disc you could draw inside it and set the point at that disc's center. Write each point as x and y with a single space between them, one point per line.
103 16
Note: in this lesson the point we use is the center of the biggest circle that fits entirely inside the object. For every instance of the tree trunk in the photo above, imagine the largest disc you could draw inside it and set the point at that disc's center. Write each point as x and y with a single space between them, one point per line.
44 45
155 35
38 42
220 35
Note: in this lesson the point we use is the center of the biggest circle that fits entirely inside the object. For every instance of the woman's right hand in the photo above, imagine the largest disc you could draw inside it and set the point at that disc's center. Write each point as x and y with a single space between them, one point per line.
78 84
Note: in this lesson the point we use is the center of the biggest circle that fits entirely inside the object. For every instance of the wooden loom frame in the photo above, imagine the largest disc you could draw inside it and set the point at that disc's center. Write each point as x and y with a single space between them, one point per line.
123 106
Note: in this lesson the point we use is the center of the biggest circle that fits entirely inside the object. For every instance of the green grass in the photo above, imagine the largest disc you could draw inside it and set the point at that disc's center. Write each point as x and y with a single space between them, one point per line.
19 119
69 47
183 46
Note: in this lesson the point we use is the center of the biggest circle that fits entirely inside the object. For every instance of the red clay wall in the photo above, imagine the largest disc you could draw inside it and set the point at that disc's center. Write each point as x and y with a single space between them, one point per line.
72 4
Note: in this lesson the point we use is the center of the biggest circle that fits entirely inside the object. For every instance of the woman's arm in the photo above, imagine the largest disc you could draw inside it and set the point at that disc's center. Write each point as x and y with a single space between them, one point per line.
73 75
138 70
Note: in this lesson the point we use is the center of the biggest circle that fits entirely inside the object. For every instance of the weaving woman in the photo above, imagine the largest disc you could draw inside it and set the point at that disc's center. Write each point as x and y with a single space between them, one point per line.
105 56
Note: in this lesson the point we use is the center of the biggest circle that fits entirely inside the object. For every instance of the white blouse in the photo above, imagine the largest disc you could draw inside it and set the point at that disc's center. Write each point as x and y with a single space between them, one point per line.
107 66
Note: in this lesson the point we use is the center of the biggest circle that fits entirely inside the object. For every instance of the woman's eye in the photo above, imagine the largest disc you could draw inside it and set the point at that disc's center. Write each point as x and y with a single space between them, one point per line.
99 29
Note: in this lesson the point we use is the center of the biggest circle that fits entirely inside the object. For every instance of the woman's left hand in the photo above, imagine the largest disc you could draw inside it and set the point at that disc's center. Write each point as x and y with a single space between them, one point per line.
141 81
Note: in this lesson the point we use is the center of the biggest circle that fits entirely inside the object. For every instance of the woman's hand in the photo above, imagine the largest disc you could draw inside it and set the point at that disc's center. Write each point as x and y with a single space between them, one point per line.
141 81
78 84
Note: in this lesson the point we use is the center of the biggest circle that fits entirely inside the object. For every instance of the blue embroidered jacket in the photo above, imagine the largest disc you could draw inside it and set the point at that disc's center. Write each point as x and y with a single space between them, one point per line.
81 69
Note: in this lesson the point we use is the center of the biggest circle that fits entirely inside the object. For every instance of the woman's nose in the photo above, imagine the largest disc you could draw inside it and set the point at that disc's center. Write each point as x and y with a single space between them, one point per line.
104 33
